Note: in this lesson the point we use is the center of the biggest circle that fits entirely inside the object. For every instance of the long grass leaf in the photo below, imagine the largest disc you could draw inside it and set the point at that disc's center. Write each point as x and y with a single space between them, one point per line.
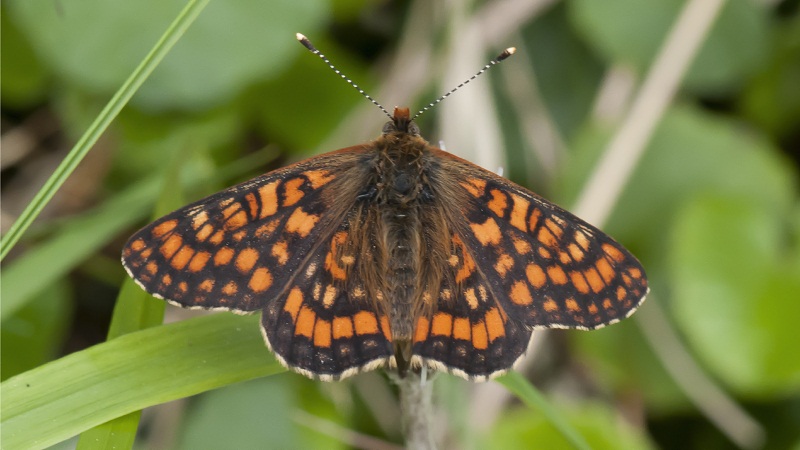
136 310
101 123
58 400
520 387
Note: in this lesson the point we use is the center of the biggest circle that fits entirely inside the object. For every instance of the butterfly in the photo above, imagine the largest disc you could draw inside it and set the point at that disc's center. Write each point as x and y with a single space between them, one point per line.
391 253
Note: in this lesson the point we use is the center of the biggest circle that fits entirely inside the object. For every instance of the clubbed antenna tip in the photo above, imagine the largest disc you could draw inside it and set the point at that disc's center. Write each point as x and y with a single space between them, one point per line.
307 44
506 53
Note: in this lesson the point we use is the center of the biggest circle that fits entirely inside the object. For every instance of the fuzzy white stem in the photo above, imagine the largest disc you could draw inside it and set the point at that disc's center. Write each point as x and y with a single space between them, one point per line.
416 392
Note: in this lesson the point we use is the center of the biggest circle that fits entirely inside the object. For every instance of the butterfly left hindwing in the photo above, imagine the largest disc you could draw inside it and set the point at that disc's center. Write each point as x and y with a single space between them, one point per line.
324 325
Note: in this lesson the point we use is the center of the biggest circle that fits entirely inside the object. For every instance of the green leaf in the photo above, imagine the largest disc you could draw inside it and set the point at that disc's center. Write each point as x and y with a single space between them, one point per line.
35 333
135 310
92 43
736 281
254 415
520 387
599 424
60 399
119 433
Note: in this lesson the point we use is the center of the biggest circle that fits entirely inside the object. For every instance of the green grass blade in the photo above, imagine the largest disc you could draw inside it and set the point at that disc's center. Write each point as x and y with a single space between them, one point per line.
136 310
119 433
114 106
520 387
71 244
58 400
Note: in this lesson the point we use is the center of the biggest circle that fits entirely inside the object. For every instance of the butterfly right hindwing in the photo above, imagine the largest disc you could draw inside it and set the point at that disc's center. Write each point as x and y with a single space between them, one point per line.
470 333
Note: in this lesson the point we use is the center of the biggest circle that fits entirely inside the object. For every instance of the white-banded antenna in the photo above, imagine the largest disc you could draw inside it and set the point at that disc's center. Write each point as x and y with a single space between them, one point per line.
506 53
307 44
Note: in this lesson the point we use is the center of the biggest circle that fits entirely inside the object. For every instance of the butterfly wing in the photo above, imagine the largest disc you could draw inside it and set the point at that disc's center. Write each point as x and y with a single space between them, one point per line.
262 245
538 265
326 325
238 248
469 333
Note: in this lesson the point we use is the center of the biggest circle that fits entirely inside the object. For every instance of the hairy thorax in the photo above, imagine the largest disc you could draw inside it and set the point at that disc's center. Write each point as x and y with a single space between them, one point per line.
405 240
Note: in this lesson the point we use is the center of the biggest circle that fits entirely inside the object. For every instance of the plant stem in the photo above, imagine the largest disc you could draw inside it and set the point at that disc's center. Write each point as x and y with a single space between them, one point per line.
416 392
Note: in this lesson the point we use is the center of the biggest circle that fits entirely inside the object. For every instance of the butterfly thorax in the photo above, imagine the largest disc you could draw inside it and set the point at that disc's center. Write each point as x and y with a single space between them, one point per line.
398 170
399 199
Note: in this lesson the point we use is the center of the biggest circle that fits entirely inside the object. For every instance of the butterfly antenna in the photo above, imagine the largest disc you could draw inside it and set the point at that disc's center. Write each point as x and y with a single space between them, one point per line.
307 44
506 53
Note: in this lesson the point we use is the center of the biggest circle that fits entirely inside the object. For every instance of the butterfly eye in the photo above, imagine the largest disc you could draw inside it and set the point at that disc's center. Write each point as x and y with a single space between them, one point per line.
388 127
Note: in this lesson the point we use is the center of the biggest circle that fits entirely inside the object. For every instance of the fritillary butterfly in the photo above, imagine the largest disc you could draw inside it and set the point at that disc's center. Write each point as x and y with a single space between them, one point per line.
392 253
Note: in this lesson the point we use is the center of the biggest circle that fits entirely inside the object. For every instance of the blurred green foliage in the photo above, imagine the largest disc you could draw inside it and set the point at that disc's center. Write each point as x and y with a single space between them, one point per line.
711 210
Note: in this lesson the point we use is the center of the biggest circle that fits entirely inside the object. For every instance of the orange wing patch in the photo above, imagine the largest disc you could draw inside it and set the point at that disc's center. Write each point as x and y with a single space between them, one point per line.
261 280
301 222
488 233
246 259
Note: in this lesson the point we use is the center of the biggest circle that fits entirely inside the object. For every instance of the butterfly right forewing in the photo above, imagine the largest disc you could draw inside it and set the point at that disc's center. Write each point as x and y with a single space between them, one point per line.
520 263
554 268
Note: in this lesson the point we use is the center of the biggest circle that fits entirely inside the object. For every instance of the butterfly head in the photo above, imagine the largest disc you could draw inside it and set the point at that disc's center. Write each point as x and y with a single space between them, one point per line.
401 123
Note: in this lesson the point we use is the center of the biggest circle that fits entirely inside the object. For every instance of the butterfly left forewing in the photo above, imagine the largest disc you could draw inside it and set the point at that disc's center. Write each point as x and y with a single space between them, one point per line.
239 248
280 243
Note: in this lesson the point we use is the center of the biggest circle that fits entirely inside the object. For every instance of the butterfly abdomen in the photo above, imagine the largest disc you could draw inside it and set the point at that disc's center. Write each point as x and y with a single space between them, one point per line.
399 183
